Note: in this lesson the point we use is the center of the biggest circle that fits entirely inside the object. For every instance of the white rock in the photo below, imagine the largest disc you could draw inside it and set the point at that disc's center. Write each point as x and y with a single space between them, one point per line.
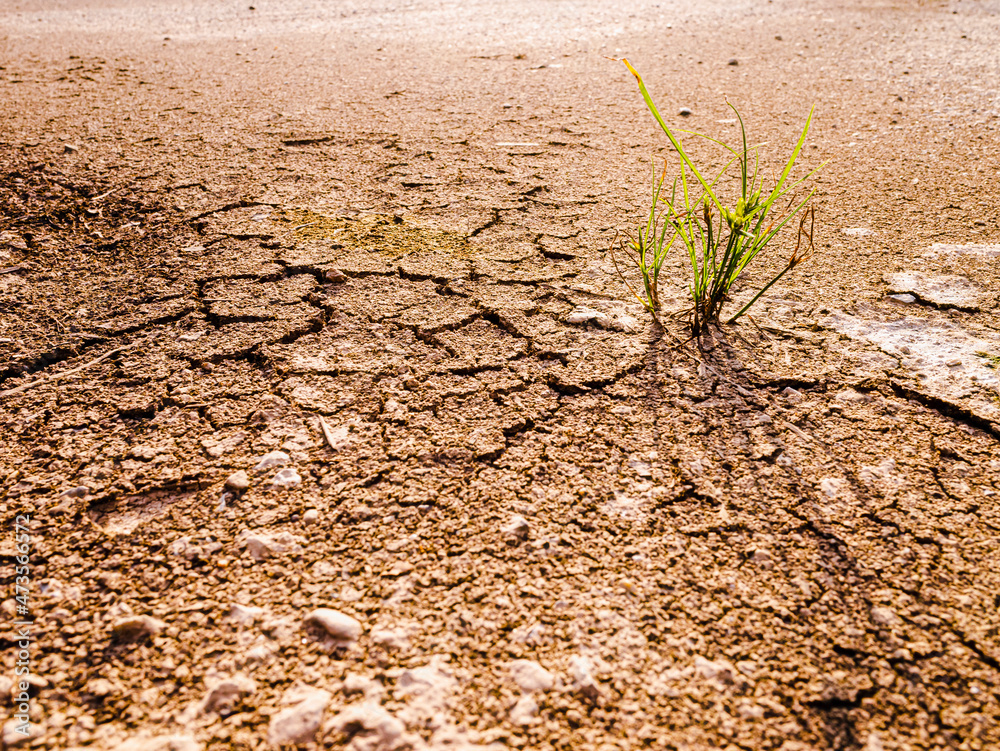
925 346
581 669
390 638
581 315
160 743
851 396
136 627
263 546
80 491
763 558
223 696
792 395
884 617
945 290
274 459
718 670
530 676
368 719
311 516
525 711
835 488
238 481
299 723
244 615
338 625
517 527
286 478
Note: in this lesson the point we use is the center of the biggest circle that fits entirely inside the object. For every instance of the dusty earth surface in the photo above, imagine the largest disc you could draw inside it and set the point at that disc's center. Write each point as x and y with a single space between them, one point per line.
509 510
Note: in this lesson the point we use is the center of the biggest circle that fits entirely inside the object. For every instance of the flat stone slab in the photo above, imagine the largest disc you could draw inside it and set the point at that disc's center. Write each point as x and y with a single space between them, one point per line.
944 291
948 362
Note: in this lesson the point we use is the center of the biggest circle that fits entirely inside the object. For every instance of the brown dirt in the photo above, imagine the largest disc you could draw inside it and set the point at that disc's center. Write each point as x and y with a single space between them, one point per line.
221 228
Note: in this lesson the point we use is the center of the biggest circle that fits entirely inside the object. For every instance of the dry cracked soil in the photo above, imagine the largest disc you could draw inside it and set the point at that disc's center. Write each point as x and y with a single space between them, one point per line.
332 425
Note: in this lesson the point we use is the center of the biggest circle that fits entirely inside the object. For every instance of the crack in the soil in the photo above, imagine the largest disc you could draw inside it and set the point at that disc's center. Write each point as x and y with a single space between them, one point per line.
946 408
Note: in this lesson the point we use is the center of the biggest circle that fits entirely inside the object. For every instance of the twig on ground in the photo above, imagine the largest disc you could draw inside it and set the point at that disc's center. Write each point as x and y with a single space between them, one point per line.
59 376
327 433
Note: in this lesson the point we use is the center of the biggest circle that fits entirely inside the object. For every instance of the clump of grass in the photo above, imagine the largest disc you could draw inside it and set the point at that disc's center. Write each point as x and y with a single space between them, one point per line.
720 242
991 361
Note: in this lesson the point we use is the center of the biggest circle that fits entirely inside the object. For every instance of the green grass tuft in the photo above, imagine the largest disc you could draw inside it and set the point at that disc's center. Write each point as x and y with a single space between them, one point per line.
720 241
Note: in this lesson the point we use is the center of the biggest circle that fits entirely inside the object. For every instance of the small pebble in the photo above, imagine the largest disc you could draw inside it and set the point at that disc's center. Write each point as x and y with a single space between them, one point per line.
335 276
264 546
902 299
244 614
336 624
793 395
81 491
524 712
137 627
286 478
530 676
311 516
273 459
684 112
390 638
518 527
884 617
298 724
70 148
583 678
238 481
224 695
733 61
718 670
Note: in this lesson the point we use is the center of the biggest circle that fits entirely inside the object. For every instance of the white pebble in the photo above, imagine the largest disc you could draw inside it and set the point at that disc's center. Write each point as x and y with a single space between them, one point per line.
298 724
884 617
238 481
286 478
524 712
224 695
274 459
530 676
518 527
383 730
244 614
336 624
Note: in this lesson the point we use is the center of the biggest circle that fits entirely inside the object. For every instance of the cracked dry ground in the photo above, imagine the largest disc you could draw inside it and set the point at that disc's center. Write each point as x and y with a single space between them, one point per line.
782 542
